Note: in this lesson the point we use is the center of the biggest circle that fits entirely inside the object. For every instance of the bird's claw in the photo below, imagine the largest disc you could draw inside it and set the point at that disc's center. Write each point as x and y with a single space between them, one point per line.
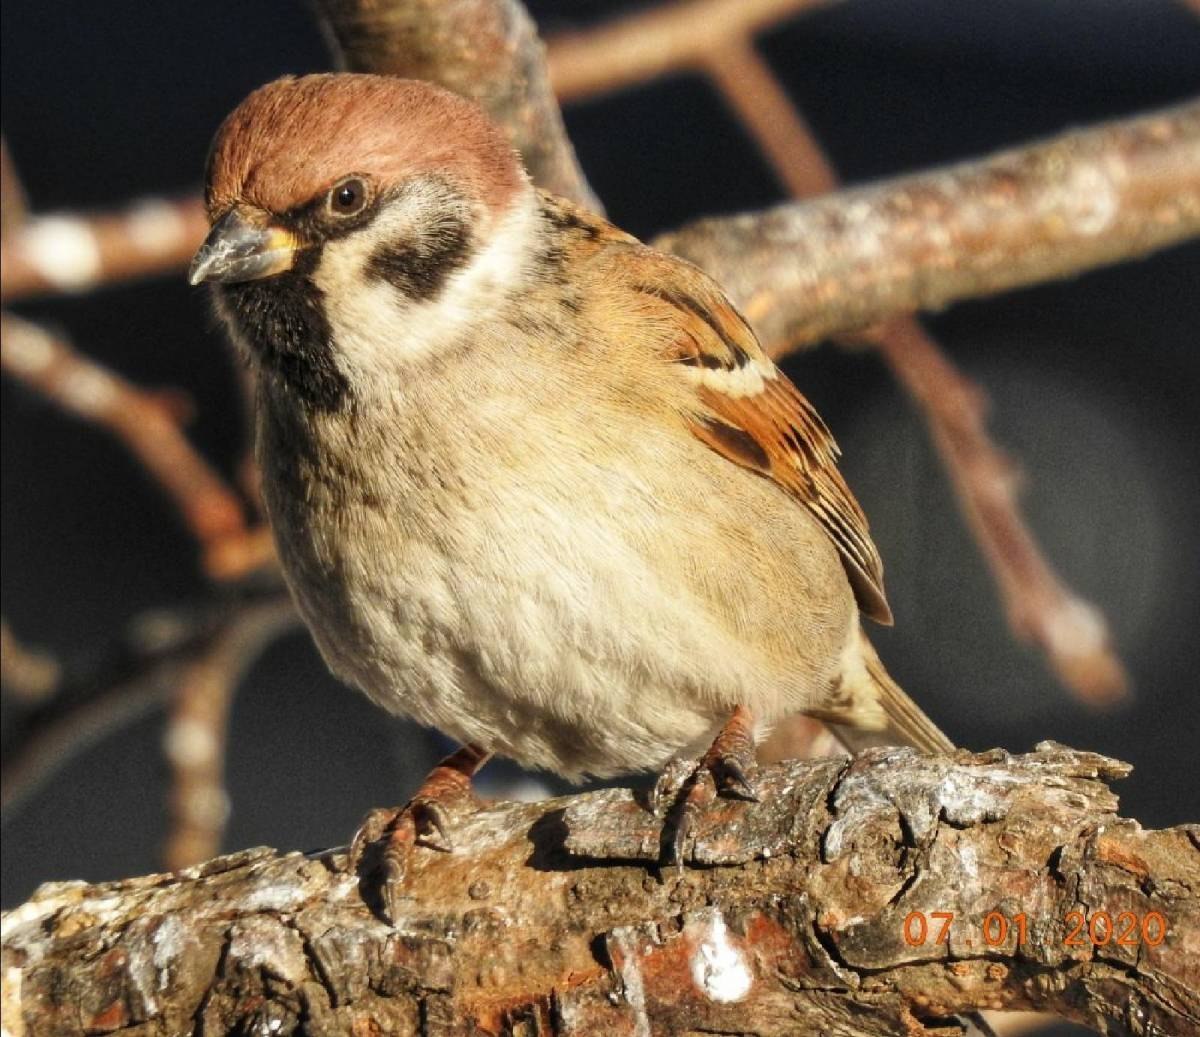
727 769
732 780
672 781
433 824
389 835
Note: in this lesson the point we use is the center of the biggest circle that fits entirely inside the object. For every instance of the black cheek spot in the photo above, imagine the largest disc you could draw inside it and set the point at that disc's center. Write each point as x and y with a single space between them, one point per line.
419 268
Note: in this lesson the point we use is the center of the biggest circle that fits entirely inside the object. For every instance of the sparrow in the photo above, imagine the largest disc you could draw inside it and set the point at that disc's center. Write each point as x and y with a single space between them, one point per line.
532 482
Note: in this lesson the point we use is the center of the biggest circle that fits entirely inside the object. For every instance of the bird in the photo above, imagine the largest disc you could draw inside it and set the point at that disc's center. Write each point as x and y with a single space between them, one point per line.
531 482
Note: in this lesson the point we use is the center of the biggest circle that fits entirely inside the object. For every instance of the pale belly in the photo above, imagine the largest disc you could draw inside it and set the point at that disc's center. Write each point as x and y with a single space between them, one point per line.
598 632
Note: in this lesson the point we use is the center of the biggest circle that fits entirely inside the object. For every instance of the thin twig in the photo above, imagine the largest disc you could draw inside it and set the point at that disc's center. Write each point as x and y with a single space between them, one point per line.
195 736
71 252
674 37
747 83
147 424
14 208
1071 632
123 681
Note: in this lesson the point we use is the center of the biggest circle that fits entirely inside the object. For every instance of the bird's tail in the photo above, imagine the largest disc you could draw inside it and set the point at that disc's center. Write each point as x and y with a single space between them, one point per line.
906 723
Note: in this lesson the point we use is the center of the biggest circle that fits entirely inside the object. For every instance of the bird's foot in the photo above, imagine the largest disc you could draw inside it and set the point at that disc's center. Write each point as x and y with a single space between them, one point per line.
685 786
383 845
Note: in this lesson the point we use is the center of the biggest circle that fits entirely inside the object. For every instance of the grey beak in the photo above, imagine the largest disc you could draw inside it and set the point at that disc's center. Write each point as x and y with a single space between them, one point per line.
243 246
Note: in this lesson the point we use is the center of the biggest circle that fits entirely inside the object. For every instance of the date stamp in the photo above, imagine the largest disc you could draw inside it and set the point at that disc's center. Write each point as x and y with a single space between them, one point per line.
1081 929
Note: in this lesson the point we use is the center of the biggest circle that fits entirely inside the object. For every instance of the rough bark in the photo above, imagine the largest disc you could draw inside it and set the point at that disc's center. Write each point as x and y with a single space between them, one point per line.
787 916
806 270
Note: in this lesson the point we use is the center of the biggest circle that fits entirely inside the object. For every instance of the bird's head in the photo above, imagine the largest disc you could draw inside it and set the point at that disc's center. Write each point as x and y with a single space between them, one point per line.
357 220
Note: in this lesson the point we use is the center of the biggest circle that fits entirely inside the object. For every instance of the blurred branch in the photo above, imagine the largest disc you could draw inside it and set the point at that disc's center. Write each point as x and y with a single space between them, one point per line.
749 86
106 690
27 675
14 207
672 37
806 270
790 915
196 726
1071 632
148 424
1020 1024
487 50
72 252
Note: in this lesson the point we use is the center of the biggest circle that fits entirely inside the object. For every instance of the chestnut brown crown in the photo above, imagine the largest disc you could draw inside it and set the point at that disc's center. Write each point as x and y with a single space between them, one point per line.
294 138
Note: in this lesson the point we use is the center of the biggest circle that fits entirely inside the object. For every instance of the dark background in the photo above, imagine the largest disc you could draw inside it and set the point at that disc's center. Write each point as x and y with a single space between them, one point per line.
1094 387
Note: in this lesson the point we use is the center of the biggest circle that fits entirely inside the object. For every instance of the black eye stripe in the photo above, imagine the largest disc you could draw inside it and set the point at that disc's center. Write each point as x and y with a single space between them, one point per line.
315 221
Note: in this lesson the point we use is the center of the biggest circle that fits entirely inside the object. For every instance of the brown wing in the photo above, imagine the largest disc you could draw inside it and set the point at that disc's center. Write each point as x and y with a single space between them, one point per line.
748 411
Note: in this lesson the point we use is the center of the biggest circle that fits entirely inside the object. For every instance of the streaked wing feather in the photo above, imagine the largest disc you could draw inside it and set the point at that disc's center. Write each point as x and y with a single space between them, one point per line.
749 412
746 408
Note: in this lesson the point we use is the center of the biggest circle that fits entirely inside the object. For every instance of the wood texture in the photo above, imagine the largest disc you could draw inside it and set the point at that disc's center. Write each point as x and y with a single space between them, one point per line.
806 270
787 916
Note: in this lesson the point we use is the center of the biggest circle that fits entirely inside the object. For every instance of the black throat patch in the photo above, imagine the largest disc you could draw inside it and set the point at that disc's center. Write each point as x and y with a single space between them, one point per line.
283 321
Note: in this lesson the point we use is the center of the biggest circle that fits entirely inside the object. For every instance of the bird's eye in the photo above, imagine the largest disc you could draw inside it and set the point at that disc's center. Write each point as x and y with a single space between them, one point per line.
348 197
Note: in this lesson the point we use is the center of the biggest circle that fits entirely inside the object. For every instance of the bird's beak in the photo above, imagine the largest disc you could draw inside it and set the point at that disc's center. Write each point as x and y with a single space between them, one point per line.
243 245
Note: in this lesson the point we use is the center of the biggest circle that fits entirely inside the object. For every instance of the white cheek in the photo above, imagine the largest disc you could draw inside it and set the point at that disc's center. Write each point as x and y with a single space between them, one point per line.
367 319
378 329
364 312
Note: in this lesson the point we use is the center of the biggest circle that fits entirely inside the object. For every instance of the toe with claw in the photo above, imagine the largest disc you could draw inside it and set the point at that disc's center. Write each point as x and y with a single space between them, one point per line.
384 843
727 769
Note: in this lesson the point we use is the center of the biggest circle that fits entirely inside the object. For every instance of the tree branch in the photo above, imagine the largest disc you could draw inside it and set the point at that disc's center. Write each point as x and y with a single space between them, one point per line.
14 206
1071 632
149 425
29 675
672 37
104 688
196 727
818 909
807 270
73 252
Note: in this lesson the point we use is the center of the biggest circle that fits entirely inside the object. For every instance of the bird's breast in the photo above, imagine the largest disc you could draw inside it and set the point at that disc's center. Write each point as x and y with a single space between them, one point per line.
583 603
